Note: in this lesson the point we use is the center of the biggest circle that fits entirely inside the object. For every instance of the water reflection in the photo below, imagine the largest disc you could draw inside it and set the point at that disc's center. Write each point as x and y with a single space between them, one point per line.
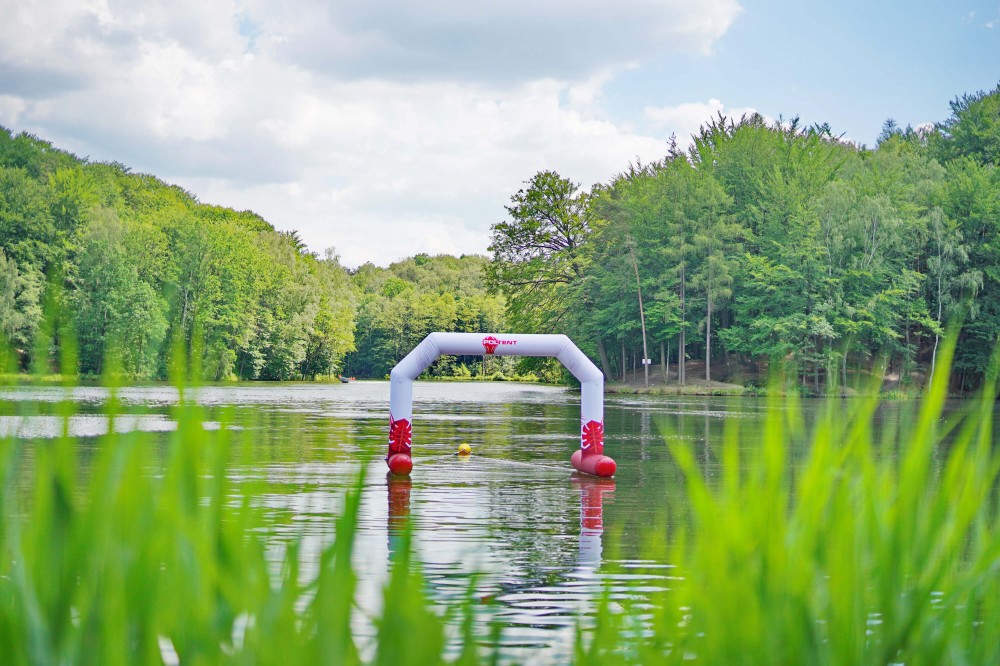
83 425
398 517
513 512
593 491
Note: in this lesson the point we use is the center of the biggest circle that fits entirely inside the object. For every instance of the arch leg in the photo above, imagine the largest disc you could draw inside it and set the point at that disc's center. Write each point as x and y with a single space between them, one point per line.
400 435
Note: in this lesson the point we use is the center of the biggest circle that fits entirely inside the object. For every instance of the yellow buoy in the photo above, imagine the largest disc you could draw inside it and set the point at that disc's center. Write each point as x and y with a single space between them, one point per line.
464 449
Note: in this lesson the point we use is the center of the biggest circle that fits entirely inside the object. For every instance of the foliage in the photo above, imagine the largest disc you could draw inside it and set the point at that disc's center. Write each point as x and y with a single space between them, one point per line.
973 130
776 245
539 252
764 244
399 305
144 263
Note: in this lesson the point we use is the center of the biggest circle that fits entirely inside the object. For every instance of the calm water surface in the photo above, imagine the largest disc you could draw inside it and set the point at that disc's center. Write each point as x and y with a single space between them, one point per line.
515 511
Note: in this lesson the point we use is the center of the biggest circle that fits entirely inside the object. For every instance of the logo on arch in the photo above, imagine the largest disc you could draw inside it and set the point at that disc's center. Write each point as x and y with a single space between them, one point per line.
490 343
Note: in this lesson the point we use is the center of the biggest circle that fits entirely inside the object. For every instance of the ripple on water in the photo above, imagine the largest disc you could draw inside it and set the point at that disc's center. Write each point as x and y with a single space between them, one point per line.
513 512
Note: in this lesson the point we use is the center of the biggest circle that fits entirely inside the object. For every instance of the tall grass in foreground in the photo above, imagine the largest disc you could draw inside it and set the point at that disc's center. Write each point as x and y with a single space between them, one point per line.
144 555
876 552
873 552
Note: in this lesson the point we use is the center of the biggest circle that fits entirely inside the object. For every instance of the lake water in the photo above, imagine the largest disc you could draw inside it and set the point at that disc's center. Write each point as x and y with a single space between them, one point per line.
515 511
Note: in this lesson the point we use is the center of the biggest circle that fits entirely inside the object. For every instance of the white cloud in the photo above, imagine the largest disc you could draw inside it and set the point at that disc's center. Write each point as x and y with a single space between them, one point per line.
382 128
686 119
11 108
509 41
398 169
516 40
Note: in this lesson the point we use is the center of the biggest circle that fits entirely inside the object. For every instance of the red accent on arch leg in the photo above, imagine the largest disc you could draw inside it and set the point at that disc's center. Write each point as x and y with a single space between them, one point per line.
592 437
590 458
400 435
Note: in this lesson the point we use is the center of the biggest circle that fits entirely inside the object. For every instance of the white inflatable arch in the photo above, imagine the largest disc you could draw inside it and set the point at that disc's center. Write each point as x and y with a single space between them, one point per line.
589 459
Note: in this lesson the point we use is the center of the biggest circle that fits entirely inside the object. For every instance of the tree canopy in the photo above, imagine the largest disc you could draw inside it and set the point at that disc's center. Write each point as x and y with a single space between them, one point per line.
763 245
143 267
774 245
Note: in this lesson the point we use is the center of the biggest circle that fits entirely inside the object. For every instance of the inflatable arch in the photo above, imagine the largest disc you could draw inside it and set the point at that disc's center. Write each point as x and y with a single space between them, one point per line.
589 458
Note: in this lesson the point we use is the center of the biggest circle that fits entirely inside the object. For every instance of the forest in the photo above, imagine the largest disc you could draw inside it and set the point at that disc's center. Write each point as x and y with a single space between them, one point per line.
130 267
772 245
762 245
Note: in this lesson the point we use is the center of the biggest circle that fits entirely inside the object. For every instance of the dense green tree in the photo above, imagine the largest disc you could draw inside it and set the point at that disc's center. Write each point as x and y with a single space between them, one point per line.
37 157
117 312
953 285
972 131
539 255
773 175
399 305
608 297
27 230
968 143
669 224
20 303
605 300
141 260
331 333
539 251
716 243
972 198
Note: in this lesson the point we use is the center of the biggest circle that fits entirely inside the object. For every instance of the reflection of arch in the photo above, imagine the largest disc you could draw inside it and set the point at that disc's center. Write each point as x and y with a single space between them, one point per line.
398 490
589 458
592 492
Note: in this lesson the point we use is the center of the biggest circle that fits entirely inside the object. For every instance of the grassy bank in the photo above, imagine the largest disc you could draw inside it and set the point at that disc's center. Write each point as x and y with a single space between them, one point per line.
715 388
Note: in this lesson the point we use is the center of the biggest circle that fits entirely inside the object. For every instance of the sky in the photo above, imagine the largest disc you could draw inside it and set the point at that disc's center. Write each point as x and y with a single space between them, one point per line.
386 128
